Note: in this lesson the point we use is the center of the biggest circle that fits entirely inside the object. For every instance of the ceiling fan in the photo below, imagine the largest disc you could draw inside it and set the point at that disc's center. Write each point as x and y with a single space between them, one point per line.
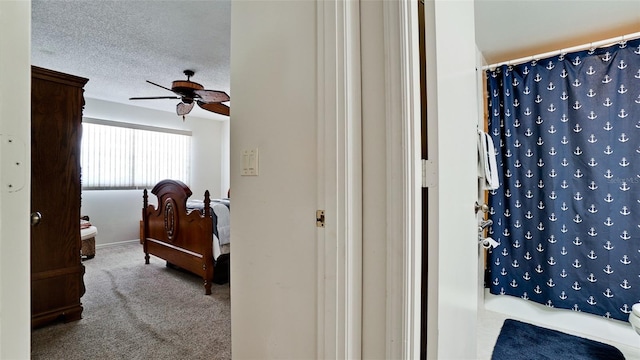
190 93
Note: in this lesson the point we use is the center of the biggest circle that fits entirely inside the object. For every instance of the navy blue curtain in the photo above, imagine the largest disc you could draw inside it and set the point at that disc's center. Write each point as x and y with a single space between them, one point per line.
567 213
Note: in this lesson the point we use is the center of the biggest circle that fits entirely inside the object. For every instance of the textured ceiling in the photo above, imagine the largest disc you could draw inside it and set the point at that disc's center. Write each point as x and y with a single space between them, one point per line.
118 45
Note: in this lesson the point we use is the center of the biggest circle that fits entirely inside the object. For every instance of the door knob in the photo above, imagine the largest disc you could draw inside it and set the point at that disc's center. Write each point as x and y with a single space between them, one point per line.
35 218
484 207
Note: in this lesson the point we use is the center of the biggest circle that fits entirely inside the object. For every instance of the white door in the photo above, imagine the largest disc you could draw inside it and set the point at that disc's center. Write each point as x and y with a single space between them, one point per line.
15 120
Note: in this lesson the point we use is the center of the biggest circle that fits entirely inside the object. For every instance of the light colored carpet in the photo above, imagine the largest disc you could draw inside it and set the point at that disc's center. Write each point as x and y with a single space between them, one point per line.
138 311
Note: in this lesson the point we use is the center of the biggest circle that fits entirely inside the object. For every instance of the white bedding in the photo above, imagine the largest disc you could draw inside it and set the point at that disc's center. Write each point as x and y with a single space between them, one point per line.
222 220
222 242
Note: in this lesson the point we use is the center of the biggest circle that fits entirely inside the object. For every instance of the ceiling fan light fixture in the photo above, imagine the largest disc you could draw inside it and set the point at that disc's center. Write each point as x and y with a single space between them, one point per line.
184 108
189 91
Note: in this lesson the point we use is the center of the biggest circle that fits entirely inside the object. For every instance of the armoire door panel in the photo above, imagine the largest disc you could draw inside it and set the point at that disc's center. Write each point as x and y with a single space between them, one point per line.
56 268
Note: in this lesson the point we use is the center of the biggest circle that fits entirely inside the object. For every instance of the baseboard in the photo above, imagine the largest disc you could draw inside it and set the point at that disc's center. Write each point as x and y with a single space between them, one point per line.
99 246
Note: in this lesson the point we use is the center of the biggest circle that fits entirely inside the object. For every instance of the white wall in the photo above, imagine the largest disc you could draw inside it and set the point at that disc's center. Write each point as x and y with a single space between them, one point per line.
273 267
15 119
116 213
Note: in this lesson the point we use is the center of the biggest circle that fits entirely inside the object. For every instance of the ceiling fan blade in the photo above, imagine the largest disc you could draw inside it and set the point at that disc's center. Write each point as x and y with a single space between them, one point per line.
154 97
212 96
217 108
152 83
183 108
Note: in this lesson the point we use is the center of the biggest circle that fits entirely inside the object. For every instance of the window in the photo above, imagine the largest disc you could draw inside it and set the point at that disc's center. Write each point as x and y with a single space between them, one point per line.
127 156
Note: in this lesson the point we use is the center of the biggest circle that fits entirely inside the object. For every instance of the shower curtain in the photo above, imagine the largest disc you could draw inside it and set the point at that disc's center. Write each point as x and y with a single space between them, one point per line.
567 212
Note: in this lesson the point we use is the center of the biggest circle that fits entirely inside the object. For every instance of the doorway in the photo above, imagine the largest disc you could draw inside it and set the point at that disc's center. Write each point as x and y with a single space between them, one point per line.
424 154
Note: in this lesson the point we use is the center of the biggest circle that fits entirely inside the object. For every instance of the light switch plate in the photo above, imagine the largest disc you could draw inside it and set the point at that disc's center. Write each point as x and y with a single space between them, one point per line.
250 162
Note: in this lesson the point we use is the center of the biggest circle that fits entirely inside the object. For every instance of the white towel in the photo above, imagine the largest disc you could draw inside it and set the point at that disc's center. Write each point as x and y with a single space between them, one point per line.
483 160
493 164
487 164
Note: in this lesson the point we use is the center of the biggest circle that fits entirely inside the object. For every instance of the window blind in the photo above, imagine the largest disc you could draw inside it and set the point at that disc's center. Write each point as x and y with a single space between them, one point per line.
125 156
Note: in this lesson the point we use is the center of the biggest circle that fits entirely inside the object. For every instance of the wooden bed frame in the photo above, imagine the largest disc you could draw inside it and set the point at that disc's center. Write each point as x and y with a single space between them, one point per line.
171 233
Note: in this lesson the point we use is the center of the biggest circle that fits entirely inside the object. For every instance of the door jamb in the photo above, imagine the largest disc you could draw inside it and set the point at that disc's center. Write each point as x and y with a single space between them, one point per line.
404 179
339 242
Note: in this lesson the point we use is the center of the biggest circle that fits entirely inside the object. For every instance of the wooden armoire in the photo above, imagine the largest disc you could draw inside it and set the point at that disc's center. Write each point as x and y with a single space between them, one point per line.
57 272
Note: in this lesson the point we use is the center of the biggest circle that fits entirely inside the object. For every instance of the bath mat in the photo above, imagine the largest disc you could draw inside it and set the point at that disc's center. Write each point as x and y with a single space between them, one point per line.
522 341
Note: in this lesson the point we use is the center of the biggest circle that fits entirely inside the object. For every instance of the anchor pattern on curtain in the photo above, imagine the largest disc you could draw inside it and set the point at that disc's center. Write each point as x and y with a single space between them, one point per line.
567 213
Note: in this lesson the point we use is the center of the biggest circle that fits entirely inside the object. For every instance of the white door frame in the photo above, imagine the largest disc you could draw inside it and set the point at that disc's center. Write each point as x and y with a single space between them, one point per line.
340 180
404 179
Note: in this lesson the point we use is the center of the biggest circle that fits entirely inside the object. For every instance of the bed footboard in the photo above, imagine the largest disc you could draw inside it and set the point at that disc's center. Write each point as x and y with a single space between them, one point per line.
180 237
